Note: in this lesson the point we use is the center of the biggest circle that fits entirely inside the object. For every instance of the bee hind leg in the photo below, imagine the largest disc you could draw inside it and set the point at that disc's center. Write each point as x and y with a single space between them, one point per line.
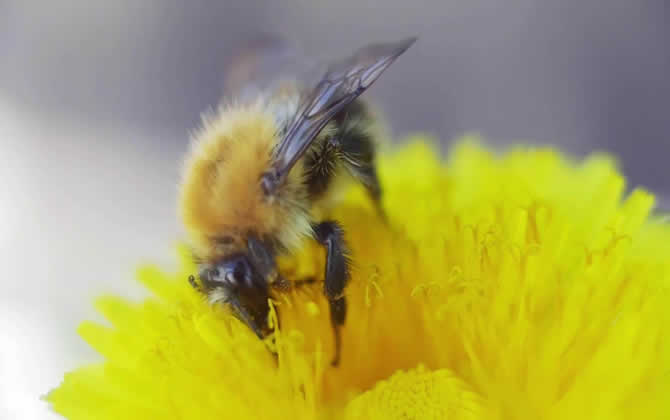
368 177
330 235
357 152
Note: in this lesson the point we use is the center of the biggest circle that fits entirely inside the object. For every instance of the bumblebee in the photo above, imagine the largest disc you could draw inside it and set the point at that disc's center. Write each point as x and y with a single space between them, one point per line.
263 168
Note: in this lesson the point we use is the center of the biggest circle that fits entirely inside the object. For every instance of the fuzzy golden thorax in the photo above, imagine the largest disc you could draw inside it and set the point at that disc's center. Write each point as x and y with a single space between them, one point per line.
221 201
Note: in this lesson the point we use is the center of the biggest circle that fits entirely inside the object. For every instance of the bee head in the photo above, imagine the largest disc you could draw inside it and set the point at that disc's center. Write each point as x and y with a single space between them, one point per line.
231 273
237 282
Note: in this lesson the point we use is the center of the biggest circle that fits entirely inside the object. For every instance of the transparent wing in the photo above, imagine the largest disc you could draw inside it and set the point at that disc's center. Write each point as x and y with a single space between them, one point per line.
342 82
263 62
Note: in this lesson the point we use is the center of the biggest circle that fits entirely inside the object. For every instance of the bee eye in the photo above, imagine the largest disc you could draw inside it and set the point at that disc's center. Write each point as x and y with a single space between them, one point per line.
240 271
237 271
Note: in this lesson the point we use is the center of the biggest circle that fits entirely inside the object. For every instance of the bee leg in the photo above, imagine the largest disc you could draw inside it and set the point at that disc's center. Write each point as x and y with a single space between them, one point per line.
281 284
330 235
338 313
264 261
357 152
303 282
368 176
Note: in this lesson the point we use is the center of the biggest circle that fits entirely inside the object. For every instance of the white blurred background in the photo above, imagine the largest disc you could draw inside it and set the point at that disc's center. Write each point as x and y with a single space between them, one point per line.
96 100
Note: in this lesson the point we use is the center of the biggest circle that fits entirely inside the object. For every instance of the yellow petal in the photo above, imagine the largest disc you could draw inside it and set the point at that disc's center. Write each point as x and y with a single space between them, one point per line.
518 286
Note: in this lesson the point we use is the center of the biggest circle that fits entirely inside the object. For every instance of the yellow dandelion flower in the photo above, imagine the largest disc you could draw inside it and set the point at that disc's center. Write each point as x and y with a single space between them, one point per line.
520 286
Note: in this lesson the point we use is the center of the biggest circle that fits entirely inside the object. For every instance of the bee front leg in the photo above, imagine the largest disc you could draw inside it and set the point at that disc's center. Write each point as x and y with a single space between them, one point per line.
264 261
337 275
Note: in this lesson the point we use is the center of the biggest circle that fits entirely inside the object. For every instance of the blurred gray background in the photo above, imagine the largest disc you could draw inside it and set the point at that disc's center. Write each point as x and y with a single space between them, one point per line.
97 98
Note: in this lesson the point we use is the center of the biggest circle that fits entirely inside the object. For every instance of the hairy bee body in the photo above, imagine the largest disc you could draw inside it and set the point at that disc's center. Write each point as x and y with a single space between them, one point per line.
218 207
262 172
232 150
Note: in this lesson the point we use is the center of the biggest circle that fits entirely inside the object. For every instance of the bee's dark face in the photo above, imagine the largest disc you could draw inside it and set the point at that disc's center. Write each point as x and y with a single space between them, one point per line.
236 282
232 273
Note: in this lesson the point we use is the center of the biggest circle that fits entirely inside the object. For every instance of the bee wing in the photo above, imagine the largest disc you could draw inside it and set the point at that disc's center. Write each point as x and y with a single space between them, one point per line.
342 82
263 62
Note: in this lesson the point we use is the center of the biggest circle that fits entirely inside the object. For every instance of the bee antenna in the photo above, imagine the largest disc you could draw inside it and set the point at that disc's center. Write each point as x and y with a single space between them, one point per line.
193 283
